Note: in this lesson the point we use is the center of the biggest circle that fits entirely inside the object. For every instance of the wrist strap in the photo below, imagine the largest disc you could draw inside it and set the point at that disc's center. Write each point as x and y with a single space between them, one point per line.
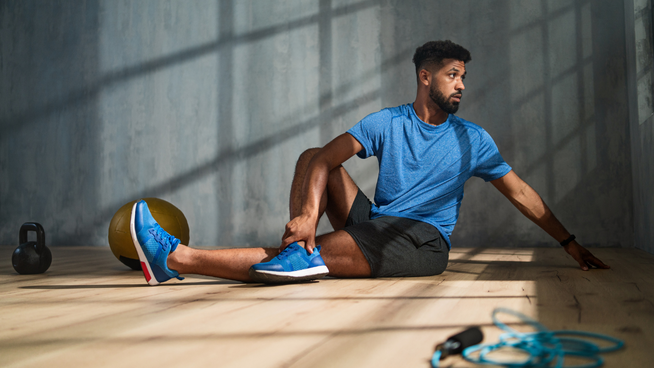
567 241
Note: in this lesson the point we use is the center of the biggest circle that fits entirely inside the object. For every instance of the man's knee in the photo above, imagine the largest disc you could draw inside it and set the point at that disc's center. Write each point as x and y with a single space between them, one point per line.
304 160
303 164
306 156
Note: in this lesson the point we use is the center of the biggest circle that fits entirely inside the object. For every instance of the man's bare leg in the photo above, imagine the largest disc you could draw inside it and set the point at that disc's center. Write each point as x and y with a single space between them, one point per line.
230 264
339 251
337 199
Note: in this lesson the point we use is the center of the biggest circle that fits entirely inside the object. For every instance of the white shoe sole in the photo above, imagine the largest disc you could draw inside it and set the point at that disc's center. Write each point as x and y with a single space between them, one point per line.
145 265
280 277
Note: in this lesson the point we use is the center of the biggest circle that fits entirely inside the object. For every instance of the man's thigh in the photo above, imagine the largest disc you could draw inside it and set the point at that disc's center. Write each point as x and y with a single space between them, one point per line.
342 255
341 192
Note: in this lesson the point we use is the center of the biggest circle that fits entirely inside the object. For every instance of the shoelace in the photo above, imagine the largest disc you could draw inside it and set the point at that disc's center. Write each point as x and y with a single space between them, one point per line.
162 237
286 252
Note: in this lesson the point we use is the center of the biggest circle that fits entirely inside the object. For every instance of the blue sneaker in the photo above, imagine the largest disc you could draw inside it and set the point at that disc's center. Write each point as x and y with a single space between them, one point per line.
153 244
293 264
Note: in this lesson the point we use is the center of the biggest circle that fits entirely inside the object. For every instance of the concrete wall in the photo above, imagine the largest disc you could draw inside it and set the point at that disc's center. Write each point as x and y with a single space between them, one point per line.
643 153
640 65
208 103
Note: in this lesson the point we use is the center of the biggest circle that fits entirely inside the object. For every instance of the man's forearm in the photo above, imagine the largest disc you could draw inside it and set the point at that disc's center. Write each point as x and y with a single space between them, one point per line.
534 208
530 204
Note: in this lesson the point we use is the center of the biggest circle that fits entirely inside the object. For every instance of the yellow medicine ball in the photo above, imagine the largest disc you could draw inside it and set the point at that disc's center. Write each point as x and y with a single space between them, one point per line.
169 217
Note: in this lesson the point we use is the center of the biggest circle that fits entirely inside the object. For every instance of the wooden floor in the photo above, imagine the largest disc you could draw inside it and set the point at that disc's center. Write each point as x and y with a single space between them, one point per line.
90 310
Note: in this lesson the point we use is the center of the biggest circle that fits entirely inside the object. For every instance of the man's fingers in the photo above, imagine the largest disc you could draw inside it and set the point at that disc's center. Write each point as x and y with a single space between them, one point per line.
588 260
577 255
585 258
594 261
286 242
310 245
287 233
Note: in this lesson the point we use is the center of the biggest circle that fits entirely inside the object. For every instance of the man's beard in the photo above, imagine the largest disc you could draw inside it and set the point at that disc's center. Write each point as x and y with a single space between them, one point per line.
442 102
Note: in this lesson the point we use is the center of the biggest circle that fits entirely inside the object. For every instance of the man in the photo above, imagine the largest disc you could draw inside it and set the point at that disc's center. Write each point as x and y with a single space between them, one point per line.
425 155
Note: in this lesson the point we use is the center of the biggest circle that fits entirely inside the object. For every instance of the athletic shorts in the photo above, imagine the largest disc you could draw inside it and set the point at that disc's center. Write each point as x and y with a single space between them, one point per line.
396 246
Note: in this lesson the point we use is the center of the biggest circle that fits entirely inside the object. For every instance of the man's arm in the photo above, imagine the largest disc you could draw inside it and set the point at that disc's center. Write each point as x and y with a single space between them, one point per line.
303 227
534 208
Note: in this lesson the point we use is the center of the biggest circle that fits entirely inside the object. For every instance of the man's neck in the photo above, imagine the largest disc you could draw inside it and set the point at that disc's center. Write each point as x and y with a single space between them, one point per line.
430 113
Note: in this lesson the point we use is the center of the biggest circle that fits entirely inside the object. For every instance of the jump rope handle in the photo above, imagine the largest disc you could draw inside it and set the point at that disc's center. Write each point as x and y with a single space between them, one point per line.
455 344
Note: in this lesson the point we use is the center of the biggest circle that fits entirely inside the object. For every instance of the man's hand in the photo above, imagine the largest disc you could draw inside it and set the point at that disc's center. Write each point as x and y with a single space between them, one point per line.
301 229
583 256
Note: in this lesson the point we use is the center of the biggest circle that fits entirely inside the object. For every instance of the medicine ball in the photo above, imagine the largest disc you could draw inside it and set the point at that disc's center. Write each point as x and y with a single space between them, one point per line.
169 217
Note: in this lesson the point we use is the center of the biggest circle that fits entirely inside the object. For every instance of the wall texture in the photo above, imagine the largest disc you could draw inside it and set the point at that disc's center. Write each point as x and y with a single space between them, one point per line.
639 16
208 103
643 153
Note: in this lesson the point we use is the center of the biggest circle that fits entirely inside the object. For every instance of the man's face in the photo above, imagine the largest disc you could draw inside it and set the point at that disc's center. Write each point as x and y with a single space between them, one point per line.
447 85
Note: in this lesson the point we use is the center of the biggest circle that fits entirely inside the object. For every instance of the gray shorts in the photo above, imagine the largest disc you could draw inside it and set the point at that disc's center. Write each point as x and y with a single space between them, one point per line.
396 246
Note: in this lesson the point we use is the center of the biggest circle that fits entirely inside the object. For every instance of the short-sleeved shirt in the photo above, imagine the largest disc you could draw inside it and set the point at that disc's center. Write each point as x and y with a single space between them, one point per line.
422 167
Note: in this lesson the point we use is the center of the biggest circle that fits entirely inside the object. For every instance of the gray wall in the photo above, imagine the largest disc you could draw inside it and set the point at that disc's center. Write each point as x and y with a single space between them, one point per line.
640 66
208 103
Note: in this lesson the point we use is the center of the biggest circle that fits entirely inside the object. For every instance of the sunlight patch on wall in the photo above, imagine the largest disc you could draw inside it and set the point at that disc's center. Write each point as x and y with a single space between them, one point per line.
264 15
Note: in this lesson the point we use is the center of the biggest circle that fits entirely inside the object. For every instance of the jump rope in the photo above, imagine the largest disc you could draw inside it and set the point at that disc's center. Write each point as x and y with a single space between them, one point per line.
543 347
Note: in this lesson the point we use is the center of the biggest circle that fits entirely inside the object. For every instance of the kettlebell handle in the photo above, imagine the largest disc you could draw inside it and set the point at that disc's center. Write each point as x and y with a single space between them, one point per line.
32 226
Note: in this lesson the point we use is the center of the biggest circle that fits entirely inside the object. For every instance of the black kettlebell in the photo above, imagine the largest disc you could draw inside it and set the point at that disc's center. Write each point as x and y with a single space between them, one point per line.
31 257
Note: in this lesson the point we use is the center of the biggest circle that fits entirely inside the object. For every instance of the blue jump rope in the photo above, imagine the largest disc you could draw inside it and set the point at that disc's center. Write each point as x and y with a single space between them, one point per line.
543 346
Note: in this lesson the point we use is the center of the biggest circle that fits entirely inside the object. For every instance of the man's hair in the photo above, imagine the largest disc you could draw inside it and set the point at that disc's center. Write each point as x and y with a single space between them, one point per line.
430 55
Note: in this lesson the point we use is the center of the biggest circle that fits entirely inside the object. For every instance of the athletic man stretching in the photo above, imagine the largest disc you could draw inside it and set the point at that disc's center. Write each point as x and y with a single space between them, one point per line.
425 156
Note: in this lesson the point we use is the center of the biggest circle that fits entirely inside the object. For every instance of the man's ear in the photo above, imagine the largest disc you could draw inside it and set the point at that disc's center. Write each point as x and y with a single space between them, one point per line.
424 77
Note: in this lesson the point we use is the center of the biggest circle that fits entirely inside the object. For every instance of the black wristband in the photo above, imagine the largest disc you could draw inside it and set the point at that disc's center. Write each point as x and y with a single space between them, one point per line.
567 241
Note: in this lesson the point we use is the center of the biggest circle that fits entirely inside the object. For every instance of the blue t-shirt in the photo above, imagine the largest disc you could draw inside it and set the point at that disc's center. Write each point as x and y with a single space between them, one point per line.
422 168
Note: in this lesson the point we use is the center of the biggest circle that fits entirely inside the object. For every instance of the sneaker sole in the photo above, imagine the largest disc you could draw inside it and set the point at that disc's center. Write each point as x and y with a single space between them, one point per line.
145 265
276 277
